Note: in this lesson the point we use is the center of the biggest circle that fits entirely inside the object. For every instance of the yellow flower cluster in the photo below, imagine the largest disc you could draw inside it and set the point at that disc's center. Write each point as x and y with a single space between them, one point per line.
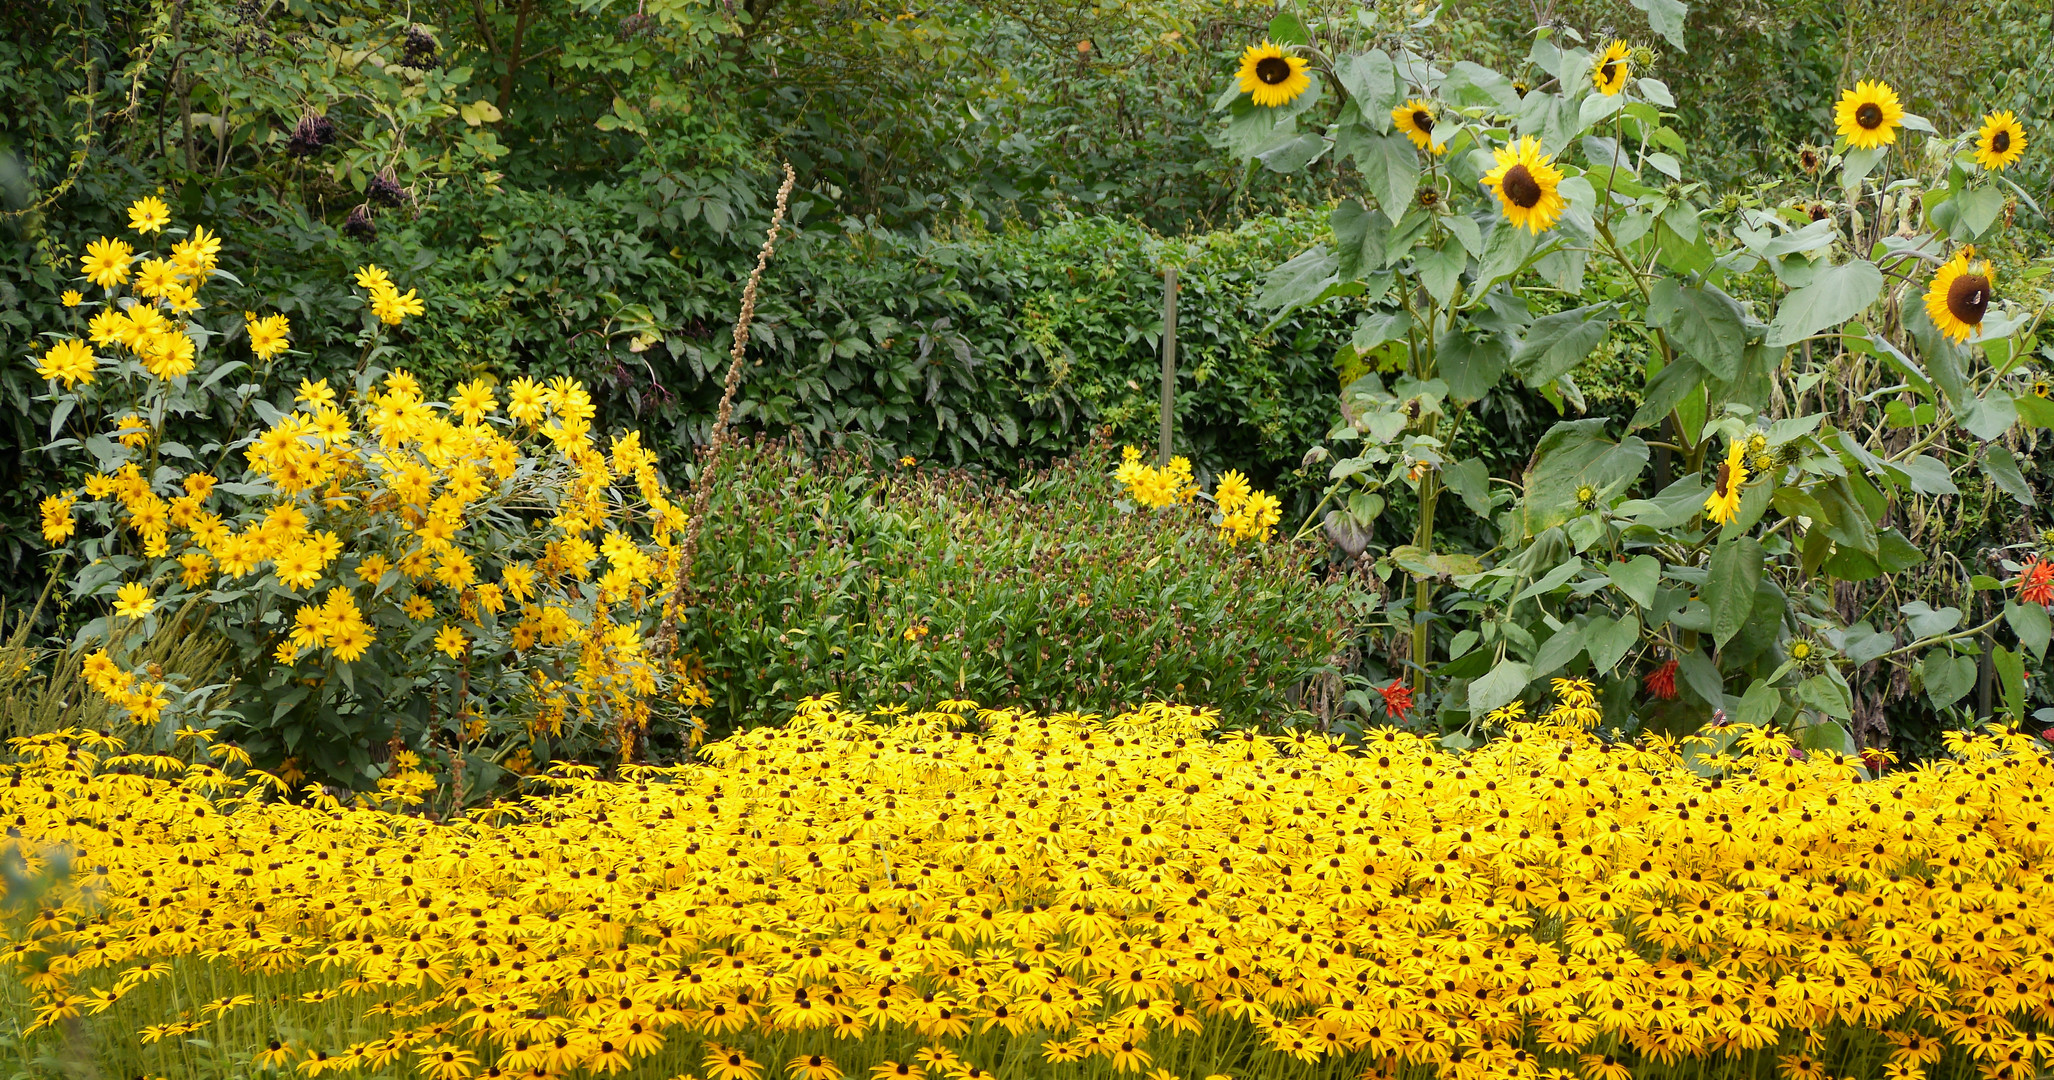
390 305
1576 705
1245 513
964 891
144 700
1170 485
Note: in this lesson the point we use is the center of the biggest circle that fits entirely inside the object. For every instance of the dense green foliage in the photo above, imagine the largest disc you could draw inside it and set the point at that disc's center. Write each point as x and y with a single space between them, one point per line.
921 585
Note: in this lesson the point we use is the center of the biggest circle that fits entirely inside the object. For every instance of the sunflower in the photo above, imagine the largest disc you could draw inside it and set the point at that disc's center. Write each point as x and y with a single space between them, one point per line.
1416 119
1525 181
1610 70
1869 115
1272 78
1724 501
2000 142
1960 294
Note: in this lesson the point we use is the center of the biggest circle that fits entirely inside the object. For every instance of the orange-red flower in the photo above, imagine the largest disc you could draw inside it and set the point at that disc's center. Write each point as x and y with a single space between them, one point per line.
1397 698
2036 583
1661 682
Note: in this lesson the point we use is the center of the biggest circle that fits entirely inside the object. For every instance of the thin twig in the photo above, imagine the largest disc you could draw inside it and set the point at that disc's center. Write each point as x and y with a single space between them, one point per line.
702 488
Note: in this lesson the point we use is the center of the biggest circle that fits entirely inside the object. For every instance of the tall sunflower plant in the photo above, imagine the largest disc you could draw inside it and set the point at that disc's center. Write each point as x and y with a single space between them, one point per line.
1827 362
464 581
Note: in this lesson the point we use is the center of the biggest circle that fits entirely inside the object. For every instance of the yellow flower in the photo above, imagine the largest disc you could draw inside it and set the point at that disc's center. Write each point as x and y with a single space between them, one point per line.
148 214
472 401
71 298
132 431
196 253
1869 115
1416 119
1272 78
372 279
1526 182
1612 68
58 524
268 337
1724 501
393 307
1960 295
169 354
134 601
106 261
68 361
156 277
2000 142
450 642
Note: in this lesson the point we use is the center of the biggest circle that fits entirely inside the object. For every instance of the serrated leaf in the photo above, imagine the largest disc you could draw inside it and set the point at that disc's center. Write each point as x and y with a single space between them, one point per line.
1838 294
1556 344
1705 323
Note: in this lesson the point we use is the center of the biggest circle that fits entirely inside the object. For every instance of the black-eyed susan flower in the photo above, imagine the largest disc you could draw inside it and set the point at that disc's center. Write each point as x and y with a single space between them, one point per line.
1960 295
1723 504
1416 119
1272 77
2000 142
1869 115
1527 184
1612 68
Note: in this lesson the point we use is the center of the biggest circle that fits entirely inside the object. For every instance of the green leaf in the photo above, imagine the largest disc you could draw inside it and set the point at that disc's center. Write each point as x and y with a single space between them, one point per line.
1702 678
1556 344
1928 475
2002 469
1286 29
1703 321
1299 281
1895 553
1440 268
1379 329
1666 391
1666 18
1390 167
1990 416
1571 454
1609 642
1470 83
1730 584
1292 154
1506 253
1975 211
1838 294
1826 736
1471 364
1372 81
1925 621
1359 235
1552 580
1823 693
1638 578
1501 687
1758 706
1947 677
1558 650
2029 622
1470 479
2010 667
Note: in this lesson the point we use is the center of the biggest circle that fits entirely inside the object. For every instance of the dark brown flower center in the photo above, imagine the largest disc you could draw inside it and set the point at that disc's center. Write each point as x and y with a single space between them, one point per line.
1819 212
2000 142
1869 115
1521 188
1609 72
1422 120
1273 70
1725 479
1968 297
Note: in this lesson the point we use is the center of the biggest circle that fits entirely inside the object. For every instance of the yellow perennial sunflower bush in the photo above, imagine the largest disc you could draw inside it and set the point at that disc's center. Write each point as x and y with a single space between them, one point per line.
966 893
467 578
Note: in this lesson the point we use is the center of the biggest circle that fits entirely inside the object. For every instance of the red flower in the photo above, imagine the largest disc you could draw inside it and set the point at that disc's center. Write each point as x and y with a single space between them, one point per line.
1397 698
1876 760
2036 583
1661 682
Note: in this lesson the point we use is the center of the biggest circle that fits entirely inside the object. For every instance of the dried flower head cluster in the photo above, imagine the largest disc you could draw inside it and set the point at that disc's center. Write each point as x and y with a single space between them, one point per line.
960 889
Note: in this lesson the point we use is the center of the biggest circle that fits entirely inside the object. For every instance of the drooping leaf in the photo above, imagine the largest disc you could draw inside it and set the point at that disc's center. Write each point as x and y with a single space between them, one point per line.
1389 165
2029 622
1372 80
1666 18
1500 687
1730 584
1609 643
1557 343
1947 677
1470 479
1702 321
1300 280
1471 363
1570 455
2002 469
1837 294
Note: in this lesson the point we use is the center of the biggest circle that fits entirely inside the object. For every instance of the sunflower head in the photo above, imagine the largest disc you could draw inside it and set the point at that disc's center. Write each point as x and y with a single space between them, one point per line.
2043 386
1271 77
1810 159
2000 141
1416 119
1960 294
1869 115
1527 184
1611 69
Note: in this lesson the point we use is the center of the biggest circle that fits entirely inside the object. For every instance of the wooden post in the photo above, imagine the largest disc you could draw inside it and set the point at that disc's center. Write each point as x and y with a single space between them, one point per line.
1169 402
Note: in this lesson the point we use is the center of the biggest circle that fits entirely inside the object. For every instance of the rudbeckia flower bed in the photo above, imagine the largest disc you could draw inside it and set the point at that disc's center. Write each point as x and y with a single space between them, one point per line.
964 893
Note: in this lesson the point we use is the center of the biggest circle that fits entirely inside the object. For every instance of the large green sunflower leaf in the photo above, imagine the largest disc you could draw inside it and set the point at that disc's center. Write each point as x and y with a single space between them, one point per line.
1704 322
1837 294
1666 17
1556 343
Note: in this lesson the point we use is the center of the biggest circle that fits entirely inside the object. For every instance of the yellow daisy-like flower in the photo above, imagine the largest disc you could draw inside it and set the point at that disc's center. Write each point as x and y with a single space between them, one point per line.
392 307
1961 294
1724 501
134 601
132 431
268 335
156 277
1611 69
198 252
1869 115
1416 119
58 524
373 279
1272 78
70 361
148 214
105 262
1526 183
2000 142
71 298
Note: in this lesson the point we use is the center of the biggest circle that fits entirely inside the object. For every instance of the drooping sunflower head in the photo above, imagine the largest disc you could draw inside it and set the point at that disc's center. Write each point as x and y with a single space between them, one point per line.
1810 159
1869 115
1723 504
1271 77
1611 69
1527 185
1416 119
2000 141
1960 294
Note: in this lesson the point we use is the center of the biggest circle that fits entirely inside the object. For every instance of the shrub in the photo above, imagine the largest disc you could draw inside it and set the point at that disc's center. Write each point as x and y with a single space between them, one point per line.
920 585
963 893
429 576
